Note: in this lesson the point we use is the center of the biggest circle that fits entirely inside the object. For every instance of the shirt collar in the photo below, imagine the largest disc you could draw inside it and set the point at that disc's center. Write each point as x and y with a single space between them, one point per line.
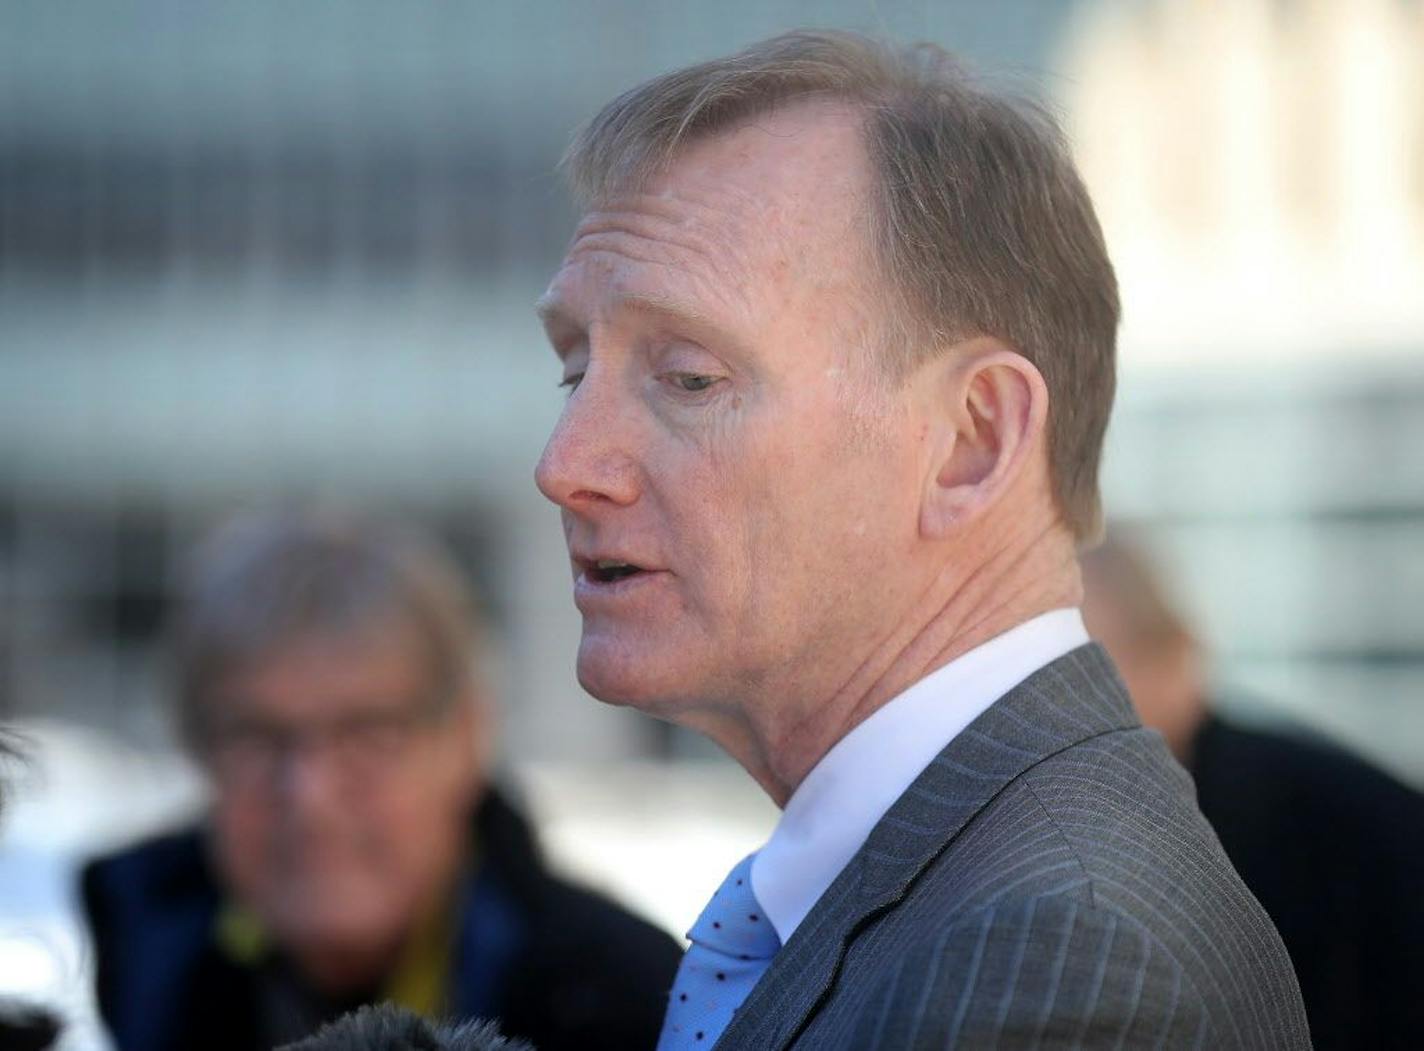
833 810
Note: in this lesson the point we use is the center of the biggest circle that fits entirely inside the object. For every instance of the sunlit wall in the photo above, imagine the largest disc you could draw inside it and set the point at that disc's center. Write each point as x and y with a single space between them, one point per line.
1259 170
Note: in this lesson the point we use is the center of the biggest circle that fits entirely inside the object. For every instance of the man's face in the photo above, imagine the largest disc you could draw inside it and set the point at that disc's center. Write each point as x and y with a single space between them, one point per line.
341 798
1163 674
721 434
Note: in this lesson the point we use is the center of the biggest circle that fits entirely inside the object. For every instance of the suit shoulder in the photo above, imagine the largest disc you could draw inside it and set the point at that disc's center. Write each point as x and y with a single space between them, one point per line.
591 973
1048 970
1294 771
1149 859
578 915
168 868
1056 970
1126 812
1122 793
566 917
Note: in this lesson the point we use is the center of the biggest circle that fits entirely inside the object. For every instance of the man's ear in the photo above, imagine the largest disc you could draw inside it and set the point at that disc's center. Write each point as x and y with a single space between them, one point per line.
990 406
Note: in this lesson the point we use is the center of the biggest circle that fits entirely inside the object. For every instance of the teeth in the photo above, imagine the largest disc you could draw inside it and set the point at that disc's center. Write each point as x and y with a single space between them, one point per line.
608 563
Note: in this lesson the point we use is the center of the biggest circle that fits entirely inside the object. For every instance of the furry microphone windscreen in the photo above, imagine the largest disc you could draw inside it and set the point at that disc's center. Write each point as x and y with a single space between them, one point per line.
386 1027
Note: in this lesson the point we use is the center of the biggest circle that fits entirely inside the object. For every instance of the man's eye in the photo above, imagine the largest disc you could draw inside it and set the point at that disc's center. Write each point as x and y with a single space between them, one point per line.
692 382
571 381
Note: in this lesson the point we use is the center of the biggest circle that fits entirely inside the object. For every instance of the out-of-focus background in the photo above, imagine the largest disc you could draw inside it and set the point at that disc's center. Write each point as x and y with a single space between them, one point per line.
260 251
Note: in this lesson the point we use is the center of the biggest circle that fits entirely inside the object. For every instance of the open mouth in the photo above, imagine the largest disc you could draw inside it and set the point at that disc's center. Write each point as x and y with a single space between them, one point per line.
609 571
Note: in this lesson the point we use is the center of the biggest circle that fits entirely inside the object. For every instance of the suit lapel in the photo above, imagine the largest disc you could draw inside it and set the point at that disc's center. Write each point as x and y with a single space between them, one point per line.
1074 698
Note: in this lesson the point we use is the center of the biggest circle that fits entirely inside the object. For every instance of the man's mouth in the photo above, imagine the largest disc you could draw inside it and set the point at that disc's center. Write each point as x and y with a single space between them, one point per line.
609 570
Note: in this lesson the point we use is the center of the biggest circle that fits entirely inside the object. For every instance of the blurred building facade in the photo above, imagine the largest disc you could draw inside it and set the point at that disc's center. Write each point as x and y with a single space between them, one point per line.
257 251
1259 170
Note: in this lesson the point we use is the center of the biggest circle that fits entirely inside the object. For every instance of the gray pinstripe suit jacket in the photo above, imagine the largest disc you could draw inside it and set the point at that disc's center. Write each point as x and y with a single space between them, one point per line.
1048 881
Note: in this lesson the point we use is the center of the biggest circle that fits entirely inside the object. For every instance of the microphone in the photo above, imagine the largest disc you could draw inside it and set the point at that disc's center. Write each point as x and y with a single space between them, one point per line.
386 1027
31 1029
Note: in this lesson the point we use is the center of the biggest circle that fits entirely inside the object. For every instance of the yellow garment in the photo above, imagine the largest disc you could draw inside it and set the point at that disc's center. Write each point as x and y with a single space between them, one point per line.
240 935
418 981
421 977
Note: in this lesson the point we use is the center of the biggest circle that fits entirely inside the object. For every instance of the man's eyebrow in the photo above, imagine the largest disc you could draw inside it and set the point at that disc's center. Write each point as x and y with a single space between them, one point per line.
555 315
668 308
560 326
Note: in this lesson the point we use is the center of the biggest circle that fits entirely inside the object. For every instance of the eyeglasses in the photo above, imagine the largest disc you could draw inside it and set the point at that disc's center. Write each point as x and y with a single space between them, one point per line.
252 753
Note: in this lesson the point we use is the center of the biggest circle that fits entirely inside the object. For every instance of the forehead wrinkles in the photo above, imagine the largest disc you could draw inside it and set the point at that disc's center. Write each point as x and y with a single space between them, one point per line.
713 235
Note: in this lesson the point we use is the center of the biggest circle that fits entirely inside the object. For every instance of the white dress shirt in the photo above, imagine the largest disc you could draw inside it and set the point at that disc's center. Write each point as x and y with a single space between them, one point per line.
833 810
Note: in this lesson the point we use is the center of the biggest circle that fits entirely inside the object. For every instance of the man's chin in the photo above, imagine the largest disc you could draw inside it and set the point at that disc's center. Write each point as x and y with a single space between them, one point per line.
617 690
625 682
332 935
335 917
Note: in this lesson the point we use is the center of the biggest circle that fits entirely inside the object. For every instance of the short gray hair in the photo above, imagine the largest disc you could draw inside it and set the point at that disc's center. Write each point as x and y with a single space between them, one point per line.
266 579
983 224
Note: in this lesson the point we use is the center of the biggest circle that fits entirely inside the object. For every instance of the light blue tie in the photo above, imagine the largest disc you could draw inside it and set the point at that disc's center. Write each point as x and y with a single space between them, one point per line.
732 945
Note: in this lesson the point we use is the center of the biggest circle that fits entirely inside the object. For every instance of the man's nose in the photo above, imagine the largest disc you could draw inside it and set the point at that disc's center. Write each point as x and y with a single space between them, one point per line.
588 460
309 781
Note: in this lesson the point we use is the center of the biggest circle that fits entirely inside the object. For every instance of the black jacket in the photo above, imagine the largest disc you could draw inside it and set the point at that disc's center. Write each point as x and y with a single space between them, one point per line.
1332 849
551 963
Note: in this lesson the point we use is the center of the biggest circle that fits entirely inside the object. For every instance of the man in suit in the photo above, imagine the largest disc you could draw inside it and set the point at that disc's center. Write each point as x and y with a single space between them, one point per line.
1319 836
354 850
838 327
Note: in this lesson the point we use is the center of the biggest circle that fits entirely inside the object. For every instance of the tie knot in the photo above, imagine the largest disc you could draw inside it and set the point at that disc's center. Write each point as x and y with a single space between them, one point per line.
733 921
732 946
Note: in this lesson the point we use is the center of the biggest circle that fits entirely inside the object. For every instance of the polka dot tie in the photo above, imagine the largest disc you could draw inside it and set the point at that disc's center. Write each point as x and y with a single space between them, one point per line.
732 945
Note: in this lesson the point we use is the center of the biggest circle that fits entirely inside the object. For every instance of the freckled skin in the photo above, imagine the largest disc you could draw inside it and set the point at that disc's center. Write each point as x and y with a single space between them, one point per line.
724 432
741 491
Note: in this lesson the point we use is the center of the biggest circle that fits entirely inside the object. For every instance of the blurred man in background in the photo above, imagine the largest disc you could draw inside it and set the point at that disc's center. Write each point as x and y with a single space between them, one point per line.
329 686
1330 845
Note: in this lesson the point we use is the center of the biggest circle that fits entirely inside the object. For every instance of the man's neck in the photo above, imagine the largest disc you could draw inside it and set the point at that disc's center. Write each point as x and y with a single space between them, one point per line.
1010 585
